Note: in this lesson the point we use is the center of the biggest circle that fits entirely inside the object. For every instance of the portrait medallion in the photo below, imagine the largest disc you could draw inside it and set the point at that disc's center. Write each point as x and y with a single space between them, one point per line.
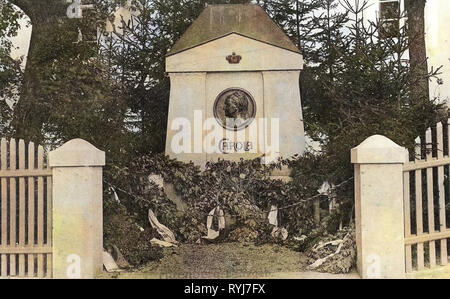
235 109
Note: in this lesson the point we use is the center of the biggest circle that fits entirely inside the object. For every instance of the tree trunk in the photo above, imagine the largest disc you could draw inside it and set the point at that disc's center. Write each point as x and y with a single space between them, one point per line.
417 47
45 16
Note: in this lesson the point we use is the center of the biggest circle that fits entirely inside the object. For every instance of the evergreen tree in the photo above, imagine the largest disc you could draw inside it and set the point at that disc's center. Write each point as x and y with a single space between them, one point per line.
66 92
357 84
354 84
136 56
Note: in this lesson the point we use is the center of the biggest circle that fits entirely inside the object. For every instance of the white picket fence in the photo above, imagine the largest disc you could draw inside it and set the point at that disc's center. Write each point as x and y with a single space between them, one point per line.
401 200
51 210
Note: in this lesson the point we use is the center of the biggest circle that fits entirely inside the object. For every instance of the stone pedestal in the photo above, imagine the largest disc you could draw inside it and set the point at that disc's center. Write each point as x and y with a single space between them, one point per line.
379 208
77 210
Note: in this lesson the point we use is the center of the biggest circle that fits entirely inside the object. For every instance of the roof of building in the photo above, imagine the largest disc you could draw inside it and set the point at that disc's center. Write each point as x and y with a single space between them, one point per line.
217 21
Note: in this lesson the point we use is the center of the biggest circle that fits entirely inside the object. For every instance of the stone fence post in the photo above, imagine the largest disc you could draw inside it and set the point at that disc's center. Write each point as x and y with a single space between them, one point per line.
77 210
379 208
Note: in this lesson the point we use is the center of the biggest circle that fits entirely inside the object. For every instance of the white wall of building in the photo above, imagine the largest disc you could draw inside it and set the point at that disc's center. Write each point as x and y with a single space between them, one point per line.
437 17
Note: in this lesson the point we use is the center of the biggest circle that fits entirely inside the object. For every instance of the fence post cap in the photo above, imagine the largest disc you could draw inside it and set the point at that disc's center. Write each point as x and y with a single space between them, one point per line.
76 153
379 149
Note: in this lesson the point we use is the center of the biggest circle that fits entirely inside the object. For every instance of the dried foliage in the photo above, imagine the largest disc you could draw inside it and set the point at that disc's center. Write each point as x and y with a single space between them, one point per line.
242 189
122 230
335 253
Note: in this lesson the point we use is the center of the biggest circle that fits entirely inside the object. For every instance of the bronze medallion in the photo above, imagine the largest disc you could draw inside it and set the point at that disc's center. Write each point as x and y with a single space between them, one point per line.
235 109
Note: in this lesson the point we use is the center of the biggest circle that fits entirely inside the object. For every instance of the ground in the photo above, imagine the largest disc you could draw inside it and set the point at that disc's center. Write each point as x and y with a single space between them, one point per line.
440 272
230 260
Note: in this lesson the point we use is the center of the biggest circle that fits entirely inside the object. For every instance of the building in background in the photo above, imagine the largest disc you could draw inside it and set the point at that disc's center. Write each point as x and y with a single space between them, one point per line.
437 35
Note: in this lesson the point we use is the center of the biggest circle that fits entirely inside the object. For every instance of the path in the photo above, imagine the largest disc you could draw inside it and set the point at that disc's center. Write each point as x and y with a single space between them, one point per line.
228 261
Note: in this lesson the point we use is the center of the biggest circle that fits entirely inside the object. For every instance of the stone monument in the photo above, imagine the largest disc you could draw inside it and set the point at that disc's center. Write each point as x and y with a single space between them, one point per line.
234 88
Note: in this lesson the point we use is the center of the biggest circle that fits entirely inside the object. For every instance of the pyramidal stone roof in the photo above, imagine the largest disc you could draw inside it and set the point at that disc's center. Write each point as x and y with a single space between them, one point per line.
217 21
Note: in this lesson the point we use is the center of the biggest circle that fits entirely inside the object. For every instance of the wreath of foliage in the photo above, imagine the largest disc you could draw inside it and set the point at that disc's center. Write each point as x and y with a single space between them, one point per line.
244 190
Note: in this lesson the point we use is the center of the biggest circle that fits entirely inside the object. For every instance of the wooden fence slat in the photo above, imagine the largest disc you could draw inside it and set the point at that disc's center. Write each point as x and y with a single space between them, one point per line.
424 164
437 236
430 200
26 249
4 211
49 210
49 273
419 213
24 173
27 200
22 208
49 242
407 207
441 188
31 212
12 203
40 212
49 225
